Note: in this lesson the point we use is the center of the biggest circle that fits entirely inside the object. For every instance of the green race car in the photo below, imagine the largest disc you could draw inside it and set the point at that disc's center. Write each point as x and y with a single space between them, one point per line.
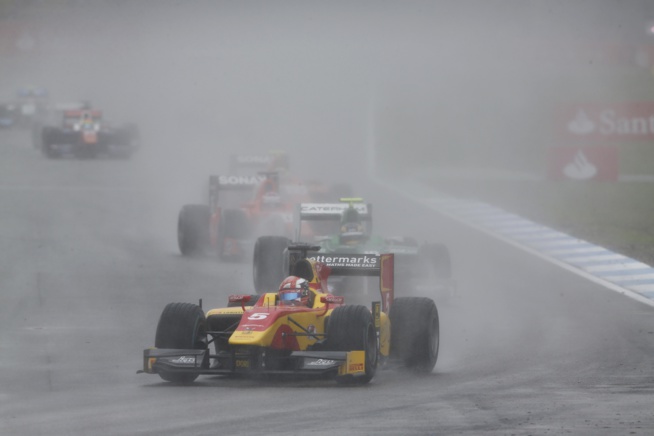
345 228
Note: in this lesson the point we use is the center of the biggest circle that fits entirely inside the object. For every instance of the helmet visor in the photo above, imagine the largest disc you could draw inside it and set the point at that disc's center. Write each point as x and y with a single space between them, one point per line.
288 296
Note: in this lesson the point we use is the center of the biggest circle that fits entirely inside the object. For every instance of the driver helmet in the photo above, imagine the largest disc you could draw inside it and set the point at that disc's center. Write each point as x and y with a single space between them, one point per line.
294 291
352 229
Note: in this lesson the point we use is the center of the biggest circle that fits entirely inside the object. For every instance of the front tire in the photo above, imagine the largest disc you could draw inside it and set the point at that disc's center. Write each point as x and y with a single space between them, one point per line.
415 333
352 328
181 326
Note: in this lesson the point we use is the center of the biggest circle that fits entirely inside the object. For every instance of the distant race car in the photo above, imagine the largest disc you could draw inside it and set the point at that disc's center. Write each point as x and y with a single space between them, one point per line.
300 329
259 200
228 224
79 130
53 116
346 227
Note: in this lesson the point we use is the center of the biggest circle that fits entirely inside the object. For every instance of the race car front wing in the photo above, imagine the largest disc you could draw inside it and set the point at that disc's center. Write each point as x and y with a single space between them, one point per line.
252 361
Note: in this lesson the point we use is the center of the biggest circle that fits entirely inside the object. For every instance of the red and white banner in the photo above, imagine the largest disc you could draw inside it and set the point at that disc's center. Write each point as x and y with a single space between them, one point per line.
627 121
599 163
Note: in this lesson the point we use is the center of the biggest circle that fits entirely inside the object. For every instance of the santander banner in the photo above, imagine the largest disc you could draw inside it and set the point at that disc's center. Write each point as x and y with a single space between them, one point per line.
584 163
627 121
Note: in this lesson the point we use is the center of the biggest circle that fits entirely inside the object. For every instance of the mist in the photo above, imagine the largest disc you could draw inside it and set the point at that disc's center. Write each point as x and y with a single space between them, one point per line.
354 92
348 89
444 80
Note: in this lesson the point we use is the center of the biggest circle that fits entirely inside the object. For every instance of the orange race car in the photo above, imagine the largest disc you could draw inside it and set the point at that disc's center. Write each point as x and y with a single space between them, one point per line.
243 206
227 225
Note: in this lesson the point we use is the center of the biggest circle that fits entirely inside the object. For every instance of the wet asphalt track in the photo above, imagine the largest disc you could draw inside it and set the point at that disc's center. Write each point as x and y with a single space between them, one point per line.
88 262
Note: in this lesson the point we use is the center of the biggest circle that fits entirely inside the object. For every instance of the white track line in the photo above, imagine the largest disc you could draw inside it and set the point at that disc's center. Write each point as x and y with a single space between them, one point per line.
547 244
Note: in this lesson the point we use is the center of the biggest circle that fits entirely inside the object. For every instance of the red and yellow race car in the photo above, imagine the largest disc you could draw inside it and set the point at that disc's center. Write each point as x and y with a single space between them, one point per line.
300 328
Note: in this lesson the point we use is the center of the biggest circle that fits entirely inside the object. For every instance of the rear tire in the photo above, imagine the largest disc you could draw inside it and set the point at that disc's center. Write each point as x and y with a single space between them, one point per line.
193 229
268 263
352 328
415 333
181 326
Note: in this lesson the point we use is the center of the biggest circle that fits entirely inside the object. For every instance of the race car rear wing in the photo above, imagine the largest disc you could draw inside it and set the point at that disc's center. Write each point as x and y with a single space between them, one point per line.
351 264
272 161
238 163
328 212
77 113
219 183
331 211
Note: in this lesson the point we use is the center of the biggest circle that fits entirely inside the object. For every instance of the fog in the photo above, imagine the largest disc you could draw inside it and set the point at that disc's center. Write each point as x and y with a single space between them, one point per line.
348 89
460 83
353 91
429 84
